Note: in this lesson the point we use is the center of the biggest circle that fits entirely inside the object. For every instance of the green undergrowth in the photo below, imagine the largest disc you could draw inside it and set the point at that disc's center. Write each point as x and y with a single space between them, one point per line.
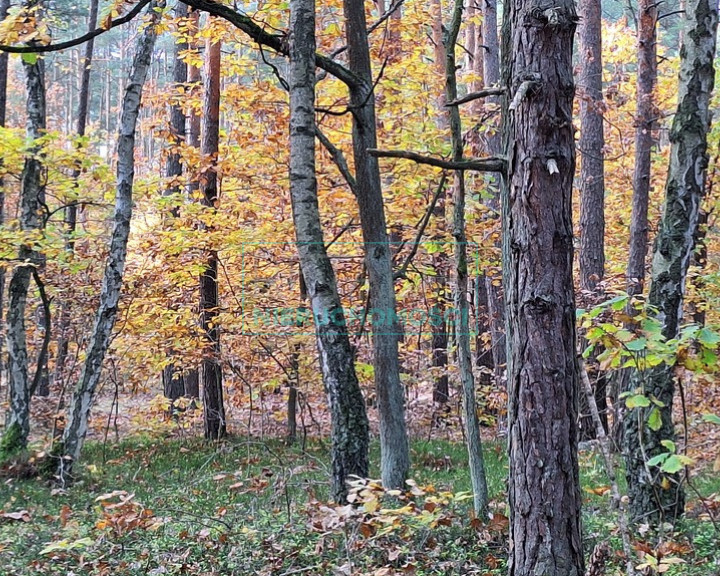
149 506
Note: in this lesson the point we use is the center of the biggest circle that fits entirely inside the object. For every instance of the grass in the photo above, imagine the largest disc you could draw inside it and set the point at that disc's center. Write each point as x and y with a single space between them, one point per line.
148 506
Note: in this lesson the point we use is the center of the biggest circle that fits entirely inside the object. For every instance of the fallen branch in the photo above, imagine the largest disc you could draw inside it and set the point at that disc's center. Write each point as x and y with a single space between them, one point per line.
492 164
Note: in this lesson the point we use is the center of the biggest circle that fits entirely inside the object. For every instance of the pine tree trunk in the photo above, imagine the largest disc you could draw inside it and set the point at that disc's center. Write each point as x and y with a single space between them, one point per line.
544 487
460 278
211 377
395 454
645 121
32 197
654 495
83 396
349 423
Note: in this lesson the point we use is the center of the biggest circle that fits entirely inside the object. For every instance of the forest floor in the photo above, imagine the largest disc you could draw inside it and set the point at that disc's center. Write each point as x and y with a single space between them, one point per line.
152 505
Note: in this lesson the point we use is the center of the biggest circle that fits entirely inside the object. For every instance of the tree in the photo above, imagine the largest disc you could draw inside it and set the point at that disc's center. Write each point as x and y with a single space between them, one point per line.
4 7
349 426
32 199
460 276
84 393
211 377
655 491
395 454
645 121
544 488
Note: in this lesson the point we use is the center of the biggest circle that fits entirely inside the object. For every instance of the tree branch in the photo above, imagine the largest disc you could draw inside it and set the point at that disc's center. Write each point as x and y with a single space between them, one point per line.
477 95
47 321
491 164
34 49
339 160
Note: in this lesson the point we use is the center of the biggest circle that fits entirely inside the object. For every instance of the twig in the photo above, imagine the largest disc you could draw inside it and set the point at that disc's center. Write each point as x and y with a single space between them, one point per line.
340 233
47 321
338 158
477 95
491 164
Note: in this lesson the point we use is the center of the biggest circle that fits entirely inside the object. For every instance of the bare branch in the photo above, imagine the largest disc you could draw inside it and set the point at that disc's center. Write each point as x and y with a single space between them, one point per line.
491 164
477 95
339 159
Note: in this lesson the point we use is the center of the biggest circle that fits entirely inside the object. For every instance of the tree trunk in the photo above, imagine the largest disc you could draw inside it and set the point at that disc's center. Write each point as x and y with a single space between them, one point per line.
544 487
32 198
211 377
394 449
645 121
349 423
654 495
4 56
460 278
77 425
72 210
592 142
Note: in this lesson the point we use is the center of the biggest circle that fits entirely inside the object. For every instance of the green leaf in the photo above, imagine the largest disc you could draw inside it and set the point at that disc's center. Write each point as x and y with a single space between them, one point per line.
673 464
655 420
637 401
29 58
712 418
669 444
657 460
708 338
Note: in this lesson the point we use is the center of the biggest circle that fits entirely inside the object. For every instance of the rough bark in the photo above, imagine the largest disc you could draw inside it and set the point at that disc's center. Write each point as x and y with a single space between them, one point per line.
71 211
349 423
460 278
4 7
654 495
395 454
84 393
592 142
211 377
32 199
544 487
644 123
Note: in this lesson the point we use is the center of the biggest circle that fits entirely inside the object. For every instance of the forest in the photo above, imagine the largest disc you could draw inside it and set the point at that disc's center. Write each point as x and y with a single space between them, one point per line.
389 287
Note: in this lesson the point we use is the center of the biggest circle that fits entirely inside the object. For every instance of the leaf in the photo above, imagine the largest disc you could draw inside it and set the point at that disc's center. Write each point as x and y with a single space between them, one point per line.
711 418
673 464
659 459
30 58
708 338
655 420
637 401
669 444
21 516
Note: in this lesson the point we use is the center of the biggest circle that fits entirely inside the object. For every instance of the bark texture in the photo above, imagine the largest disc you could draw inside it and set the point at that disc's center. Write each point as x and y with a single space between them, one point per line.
32 200
84 393
211 376
544 488
460 278
395 454
4 56
644 122
592 142
654 495
349 428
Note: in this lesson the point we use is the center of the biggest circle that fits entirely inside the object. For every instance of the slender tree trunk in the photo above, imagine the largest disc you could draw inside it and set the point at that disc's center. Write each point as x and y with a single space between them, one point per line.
644 123
349 423
493 286
460 278
4 56
395 454
83 396
173 378
32 199
211 376
654 495
71 211
544 486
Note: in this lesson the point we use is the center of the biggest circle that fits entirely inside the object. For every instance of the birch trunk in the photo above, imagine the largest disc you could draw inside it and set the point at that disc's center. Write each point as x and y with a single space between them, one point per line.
84 393
544 486
4 57
654 495
349 423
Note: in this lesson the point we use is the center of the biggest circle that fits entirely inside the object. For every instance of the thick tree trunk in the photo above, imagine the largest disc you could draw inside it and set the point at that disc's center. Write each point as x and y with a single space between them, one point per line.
460 278
32 198
394 449
544 487
654 495
645 121
77 424
349 423
71 211
211 377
